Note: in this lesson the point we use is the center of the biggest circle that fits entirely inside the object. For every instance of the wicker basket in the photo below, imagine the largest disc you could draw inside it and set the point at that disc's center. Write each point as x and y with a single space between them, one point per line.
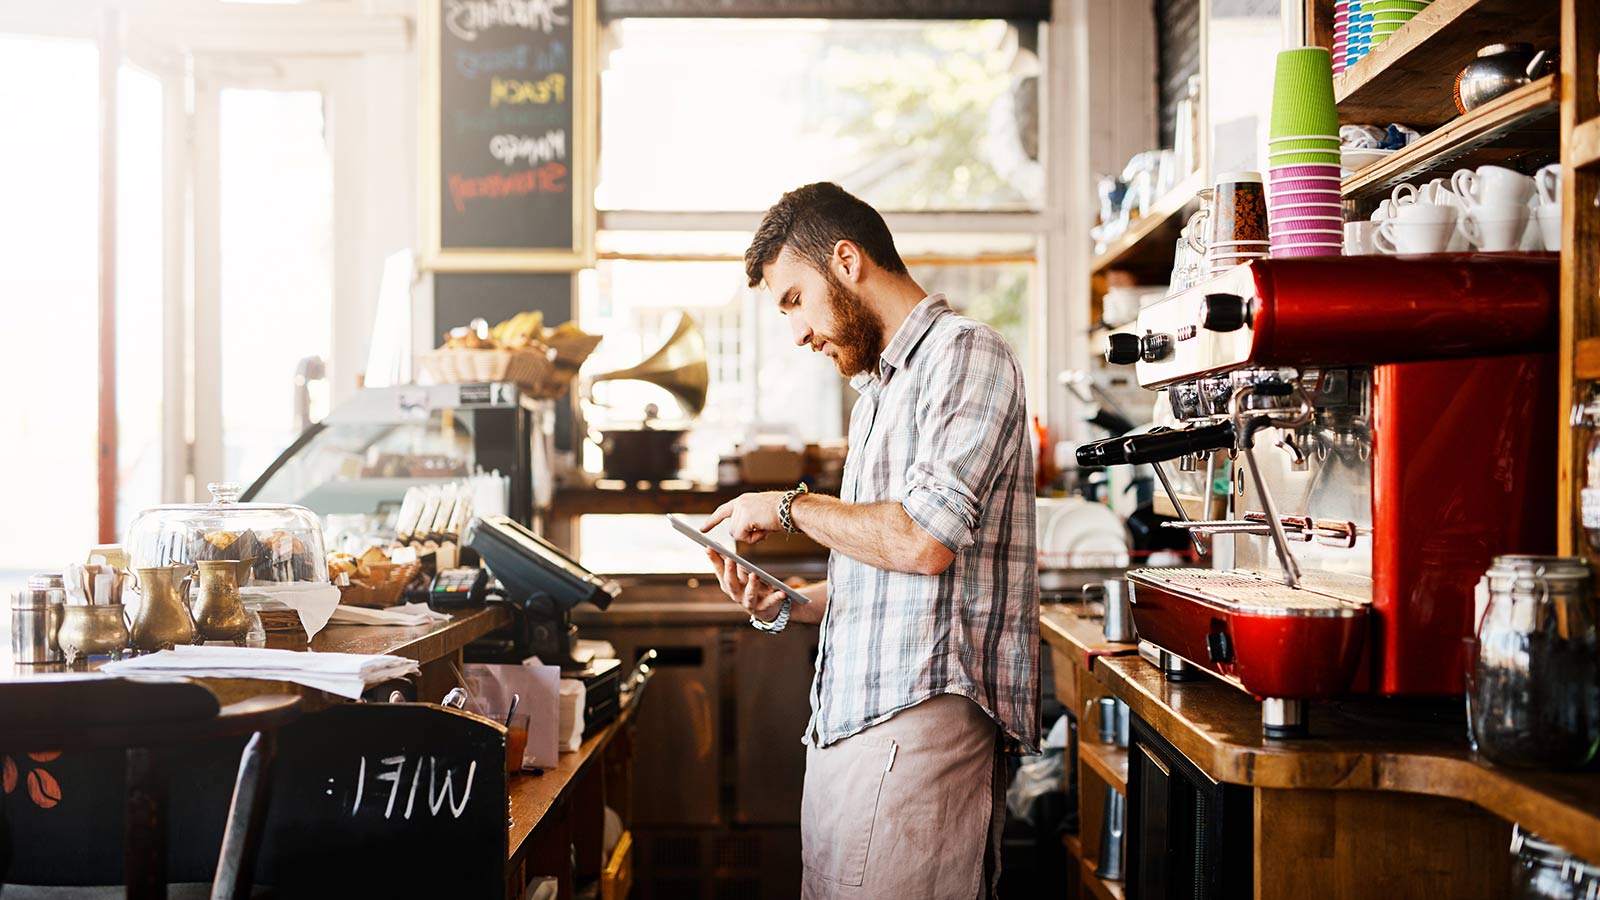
381 591
528 367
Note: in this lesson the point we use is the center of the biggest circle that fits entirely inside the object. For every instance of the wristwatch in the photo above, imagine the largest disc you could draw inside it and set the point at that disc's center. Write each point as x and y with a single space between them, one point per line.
776 625
785 517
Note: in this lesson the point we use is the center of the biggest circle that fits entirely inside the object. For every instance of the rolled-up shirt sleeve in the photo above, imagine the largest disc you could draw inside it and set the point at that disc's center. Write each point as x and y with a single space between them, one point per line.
969 424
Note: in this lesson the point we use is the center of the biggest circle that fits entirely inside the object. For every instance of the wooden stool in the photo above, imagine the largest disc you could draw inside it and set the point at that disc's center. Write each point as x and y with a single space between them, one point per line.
140 716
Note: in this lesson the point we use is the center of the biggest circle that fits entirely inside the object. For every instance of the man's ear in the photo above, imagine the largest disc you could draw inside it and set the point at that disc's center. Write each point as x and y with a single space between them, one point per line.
848 261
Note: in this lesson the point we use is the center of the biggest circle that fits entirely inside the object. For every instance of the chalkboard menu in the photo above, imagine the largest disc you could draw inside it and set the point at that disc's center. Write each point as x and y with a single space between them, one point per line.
509 134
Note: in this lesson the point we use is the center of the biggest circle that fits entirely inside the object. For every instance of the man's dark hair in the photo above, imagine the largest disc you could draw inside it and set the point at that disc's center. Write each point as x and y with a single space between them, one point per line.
810 220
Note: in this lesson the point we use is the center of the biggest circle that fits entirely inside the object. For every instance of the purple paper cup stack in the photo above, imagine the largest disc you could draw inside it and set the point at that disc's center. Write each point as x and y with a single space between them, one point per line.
1341 35
1304 215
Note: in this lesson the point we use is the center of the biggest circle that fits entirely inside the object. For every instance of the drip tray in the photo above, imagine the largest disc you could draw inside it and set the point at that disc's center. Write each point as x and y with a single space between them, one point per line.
1243 592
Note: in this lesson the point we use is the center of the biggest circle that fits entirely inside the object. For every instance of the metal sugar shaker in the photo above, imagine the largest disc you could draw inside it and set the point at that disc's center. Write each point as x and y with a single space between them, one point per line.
36 620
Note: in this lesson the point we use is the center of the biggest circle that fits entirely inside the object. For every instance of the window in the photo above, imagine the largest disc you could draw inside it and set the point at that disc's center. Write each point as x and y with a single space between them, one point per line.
914 117
141 343
908 115
277 266
49 294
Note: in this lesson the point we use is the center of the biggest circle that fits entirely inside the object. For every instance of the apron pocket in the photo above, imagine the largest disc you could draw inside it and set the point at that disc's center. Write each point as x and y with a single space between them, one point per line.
840 806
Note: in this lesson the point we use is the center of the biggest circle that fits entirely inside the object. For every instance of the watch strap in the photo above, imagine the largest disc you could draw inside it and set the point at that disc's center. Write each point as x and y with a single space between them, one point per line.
786 509
776 625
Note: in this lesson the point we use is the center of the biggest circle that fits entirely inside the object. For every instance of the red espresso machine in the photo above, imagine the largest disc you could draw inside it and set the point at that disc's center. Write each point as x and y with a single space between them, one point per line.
1391 427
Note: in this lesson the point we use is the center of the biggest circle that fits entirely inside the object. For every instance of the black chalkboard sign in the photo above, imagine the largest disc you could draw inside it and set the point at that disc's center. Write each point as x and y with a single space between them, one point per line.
509 136
368 800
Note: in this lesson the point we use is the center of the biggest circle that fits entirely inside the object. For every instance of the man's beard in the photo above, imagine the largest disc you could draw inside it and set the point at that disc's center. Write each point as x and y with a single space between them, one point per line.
858 332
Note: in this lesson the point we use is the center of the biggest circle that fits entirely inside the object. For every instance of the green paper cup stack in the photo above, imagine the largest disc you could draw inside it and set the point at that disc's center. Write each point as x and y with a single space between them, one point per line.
1388 16
1305 124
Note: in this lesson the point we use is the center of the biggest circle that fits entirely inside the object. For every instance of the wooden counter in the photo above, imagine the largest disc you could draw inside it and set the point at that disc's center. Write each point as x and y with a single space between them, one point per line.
561 812
436 647
1384 799
1416 748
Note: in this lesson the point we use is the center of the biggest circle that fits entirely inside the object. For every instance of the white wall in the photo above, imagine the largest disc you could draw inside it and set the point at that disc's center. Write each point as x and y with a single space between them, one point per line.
1100 110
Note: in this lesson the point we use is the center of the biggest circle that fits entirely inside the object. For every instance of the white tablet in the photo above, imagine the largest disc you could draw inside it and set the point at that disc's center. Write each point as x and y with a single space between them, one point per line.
693 533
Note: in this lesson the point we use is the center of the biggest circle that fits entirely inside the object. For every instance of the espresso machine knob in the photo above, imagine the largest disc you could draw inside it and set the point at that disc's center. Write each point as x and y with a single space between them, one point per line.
1123 349
1222 312
1155 347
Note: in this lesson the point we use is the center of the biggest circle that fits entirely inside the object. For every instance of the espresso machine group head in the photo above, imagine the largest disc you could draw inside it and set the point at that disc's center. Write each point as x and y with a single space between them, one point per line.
1388 422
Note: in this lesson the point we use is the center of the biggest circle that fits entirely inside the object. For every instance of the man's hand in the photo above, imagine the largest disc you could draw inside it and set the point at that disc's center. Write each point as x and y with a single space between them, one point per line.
745 589
750 517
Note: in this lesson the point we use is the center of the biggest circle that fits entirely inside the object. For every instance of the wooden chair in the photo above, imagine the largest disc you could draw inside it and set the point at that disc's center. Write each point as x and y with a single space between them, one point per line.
141 716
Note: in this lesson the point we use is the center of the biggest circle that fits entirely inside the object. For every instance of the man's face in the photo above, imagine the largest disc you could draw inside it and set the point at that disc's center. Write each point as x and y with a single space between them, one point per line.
825 314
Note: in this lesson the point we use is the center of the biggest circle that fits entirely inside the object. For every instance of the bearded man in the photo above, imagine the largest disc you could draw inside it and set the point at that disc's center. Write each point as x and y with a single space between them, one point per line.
927 666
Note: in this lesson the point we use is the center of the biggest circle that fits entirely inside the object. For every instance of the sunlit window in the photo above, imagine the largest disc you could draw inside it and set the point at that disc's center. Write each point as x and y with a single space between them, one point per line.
908 115
277 266
48 289
142 352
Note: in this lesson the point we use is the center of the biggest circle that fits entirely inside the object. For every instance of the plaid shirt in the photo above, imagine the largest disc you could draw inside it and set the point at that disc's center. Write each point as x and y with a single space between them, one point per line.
942 430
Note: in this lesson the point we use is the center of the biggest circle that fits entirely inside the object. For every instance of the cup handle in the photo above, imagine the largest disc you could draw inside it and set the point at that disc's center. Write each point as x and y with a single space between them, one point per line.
1194 229
1382 240
1403 193
1464 183
1468 226
1547 181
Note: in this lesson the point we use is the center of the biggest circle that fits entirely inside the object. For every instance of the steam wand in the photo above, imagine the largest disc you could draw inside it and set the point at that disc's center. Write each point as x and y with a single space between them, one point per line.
1246 431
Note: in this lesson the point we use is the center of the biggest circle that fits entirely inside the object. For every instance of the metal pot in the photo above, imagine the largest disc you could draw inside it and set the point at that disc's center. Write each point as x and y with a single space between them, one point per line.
1498 69
642 454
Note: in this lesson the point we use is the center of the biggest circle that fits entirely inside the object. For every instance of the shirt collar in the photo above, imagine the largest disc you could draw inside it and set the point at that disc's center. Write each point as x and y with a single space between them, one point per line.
905 340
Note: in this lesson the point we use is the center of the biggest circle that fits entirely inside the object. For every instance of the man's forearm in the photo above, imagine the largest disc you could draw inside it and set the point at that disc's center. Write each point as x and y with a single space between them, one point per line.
881 535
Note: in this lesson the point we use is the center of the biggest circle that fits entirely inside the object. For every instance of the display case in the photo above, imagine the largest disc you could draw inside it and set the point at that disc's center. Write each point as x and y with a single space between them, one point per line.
362 458
280 542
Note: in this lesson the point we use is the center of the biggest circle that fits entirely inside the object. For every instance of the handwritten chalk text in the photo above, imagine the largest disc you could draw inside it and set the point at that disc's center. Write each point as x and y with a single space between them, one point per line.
516 92
508 148
550 178
441 791
467 18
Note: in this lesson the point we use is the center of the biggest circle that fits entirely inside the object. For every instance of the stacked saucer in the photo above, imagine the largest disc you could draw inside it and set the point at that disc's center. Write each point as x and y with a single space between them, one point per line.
1303 211
1389 15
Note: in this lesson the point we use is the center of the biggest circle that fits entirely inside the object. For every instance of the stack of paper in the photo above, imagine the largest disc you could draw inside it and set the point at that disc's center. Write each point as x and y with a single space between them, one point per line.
344 674
405 614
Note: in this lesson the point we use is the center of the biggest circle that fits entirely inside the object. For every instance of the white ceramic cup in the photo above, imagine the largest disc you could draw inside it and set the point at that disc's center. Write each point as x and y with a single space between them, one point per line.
1358 238
1416 228
1549 218
1492 186
1495 229
1547 181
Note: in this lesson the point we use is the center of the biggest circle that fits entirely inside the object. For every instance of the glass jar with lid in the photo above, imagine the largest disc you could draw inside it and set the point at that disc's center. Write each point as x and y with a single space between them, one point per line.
283 541
1534 693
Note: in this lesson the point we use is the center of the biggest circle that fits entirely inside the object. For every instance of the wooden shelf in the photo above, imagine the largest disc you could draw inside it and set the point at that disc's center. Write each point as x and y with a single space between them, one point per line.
1410 78
1586 360
1099 887
1585 145
1074 846
1146 247
1108 761
1409 747
1522 125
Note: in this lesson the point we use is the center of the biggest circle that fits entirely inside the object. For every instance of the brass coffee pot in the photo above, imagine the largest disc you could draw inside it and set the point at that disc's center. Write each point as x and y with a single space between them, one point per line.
164 618
218 613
